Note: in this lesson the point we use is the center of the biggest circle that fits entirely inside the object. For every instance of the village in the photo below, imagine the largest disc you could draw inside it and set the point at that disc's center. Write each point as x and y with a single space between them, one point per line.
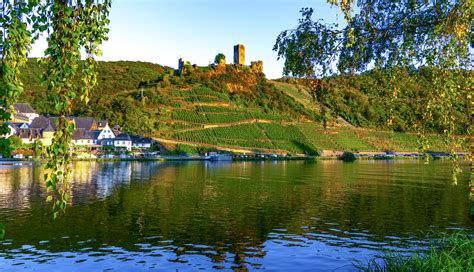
92 138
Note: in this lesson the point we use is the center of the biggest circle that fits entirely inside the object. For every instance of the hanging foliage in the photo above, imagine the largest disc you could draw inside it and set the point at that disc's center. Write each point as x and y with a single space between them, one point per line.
388 35
71 27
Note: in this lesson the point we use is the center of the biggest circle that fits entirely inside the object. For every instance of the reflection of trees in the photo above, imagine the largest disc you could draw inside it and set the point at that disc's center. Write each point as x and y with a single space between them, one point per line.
232 208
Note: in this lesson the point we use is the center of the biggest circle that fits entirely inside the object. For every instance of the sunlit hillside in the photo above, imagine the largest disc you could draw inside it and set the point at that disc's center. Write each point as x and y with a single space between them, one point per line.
236 108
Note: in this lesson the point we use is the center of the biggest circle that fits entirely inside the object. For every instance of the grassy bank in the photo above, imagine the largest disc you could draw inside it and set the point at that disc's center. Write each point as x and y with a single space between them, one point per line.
453 252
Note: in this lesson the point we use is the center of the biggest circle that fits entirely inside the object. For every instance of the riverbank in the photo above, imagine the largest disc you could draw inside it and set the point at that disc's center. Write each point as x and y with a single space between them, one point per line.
449 253
272 157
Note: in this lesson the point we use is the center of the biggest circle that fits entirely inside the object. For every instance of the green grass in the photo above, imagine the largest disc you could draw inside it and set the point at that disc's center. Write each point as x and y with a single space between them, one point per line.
450 253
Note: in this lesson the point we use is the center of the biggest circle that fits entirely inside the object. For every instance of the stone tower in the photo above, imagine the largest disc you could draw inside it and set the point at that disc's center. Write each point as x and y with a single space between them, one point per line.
239 54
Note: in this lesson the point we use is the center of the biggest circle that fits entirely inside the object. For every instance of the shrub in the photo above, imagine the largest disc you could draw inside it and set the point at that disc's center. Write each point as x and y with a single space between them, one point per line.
218 58
348 156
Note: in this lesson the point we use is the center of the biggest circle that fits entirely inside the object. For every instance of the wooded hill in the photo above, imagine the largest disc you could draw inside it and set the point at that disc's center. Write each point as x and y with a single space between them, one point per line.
232 106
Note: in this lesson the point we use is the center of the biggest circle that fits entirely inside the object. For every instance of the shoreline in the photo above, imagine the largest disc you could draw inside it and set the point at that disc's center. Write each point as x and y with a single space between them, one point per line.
295 158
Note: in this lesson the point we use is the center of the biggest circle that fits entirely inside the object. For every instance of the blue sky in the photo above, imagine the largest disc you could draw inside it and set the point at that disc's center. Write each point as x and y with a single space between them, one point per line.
161 31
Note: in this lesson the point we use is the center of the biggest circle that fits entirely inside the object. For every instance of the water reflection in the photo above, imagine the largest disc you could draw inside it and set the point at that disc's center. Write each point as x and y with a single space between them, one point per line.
244 215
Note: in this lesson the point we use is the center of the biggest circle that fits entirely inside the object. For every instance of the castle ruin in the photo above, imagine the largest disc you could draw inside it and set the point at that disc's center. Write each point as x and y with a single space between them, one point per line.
239 60
239 54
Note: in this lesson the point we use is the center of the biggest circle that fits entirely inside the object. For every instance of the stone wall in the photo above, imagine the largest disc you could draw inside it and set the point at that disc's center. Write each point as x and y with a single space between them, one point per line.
257 66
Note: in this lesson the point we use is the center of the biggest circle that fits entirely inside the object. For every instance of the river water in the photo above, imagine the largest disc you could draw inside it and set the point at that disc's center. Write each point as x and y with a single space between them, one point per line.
190 216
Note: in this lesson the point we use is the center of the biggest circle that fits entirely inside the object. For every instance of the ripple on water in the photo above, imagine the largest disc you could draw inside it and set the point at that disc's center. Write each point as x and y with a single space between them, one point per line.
249 216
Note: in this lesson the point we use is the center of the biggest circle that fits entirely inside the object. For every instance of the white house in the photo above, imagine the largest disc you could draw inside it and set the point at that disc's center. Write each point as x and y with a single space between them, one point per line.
104 133
122 140
83 137
141 142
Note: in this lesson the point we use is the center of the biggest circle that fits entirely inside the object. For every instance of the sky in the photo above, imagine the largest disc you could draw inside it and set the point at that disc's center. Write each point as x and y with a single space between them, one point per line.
162 31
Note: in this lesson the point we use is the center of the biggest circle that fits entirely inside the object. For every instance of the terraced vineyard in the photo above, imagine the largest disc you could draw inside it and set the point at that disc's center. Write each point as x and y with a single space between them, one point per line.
229 116
318 138
201 94
235 107
208 117
260 136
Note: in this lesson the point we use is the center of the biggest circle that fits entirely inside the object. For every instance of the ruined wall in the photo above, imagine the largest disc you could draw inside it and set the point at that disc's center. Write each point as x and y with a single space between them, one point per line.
257 66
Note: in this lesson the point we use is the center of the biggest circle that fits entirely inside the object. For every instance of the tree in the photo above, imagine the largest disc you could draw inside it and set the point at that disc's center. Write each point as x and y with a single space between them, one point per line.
15 142
390 35
218 58
71 27
38 149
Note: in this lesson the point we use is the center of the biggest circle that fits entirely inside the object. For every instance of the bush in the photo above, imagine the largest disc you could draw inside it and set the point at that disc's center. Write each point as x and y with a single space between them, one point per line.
348 156
16 142
218 58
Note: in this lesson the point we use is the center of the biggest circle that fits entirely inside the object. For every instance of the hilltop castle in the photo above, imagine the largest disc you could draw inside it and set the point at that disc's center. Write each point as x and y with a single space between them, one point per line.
239 60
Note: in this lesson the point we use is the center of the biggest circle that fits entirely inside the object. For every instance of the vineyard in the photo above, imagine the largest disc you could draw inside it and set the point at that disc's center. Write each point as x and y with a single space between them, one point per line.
261 136
210 117
239 108
201 94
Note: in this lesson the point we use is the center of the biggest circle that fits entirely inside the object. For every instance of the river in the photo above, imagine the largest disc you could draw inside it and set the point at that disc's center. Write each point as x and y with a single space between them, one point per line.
190 216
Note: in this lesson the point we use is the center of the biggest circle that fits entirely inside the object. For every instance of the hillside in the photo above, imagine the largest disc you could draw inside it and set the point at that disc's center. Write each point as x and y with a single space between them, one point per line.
235 108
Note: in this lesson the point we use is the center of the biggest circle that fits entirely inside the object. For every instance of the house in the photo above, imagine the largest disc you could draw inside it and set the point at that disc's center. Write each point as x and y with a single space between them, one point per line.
42 122
26 110
88 131
104 131
86 123
83 137
141 142
122 140
29 135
